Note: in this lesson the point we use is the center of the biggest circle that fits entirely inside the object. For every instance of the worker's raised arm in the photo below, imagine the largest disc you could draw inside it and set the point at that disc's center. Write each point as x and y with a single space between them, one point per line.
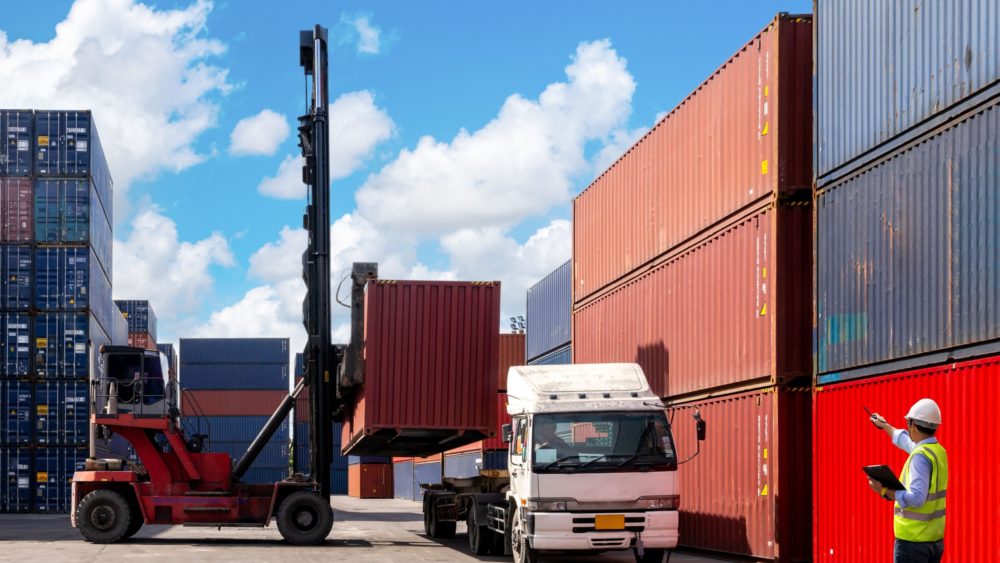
880 422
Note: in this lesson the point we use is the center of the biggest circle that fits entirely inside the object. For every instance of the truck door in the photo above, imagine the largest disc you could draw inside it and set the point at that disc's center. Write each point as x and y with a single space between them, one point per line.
520 476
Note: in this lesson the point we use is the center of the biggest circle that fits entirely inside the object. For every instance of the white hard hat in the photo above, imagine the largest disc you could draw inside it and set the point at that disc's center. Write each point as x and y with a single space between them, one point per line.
925 411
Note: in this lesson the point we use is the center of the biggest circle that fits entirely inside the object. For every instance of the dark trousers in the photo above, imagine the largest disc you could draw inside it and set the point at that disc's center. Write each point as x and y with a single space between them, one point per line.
917 552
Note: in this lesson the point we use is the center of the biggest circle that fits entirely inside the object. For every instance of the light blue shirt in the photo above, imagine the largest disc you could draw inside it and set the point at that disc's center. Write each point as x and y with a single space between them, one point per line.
920 471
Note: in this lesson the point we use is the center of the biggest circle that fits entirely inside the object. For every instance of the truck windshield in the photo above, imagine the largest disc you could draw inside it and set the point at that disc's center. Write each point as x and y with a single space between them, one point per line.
601 442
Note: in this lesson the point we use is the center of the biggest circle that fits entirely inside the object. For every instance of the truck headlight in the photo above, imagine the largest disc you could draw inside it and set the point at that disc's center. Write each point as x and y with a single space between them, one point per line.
547 505
668 502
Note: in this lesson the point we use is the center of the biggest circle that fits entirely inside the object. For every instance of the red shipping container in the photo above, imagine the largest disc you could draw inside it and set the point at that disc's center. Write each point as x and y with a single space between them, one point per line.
231 402
731 309
369 480
17 207
852 523
142 340
430 368
742 135
747 492
496 442
511 354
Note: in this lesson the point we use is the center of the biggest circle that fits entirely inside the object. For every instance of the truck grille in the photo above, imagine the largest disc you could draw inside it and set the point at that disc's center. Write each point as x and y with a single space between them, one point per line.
586 525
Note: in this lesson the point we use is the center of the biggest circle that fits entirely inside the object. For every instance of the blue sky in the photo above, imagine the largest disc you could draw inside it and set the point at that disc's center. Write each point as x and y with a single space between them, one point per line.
409 70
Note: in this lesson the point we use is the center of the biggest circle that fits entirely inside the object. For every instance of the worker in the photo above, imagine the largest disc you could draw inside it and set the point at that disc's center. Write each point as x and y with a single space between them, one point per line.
547 438
919 507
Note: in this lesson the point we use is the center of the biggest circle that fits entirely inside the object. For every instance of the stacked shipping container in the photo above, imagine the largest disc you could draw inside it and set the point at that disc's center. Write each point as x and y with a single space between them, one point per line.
300 439
550 310
141 322
692 257
907 159
231 386
55 299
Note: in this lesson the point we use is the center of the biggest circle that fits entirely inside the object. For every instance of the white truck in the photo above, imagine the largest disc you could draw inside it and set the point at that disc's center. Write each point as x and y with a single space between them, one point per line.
591 467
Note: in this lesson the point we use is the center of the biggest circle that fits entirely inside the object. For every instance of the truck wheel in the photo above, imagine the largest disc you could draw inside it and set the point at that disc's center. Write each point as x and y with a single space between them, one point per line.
103 517
428 514
650 556
519 545
440 529
304 519
480 537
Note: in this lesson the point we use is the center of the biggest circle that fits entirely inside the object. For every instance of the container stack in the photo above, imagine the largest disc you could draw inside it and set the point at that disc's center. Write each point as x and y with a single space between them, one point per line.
691 257
141 322
906 252
230 388
167 349
338 467
55 262
549 309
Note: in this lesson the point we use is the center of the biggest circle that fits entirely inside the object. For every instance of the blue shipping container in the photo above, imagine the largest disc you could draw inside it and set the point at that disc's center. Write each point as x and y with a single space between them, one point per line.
168 349
338 481
61 344
556 357
265 474
238 428
299 366
15 489
235 351
61 412
462 465
16 406
17 267
425 473
884 67
495 459
68 212
140 315
53 473
234 376
274 454
70 279
16 344
907 253
118 330
550 306
68 146
402 480
15 155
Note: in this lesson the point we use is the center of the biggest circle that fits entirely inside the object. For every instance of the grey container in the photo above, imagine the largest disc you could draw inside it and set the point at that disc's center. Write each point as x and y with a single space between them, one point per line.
885 67
549 309
233 351
908 254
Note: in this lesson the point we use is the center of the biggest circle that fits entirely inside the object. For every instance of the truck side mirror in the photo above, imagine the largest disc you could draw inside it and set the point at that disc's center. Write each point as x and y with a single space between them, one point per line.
506 431
699 426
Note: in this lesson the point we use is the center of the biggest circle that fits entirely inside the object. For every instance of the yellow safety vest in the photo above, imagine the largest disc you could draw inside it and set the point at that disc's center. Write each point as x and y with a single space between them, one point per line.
924 523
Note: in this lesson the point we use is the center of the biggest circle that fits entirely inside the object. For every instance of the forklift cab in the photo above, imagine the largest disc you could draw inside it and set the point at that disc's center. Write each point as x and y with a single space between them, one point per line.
137 381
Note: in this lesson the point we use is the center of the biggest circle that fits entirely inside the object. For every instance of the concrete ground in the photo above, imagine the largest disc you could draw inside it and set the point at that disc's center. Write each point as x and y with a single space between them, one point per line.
363 530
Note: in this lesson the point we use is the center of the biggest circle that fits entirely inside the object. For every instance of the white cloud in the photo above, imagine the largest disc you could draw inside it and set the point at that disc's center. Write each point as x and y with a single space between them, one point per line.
144 72
521 163
153 263
369 37
357 126
259 134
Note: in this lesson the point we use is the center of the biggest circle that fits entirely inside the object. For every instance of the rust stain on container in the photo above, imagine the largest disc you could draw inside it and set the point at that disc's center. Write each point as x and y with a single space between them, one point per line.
742 135
369 480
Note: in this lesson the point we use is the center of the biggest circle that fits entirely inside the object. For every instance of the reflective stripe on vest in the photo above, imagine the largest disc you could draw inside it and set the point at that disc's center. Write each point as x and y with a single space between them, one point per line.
925 523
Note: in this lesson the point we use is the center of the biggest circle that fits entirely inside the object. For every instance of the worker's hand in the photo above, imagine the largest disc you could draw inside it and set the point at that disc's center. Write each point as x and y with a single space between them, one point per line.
875 485
879 421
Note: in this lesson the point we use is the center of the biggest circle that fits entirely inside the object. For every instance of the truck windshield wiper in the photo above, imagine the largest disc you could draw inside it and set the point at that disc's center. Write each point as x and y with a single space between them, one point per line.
595 460
560 460
636 457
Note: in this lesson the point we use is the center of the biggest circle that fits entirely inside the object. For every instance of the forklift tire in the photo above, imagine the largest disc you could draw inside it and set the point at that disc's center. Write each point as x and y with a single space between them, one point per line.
480 537
304 519
134 525
103 517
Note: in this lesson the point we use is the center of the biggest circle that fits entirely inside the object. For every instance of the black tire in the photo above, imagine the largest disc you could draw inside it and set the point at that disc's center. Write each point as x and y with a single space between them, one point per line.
304 519
427 513
135 524
480 537
103 517
519 545
441 530
650 556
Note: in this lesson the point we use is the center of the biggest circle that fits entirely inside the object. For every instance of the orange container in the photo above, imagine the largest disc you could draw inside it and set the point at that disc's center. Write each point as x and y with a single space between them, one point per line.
369 480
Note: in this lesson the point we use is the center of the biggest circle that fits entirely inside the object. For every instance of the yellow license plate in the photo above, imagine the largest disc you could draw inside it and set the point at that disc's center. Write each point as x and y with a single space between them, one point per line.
609 522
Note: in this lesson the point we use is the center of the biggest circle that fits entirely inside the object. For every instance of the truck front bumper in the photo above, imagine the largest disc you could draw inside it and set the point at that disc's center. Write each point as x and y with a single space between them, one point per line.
576 531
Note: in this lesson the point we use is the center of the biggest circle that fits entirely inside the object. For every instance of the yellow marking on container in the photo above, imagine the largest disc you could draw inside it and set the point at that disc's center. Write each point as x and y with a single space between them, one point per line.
765 90
763 491
42 342
764 131
765 453
42 476
42 409
763 167
763 272
43 139
763 310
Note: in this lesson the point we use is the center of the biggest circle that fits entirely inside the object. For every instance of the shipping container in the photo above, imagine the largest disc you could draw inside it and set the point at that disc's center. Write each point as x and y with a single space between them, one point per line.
235 376
231 402
16 344
299 367
370 481
234 351
367 459
496 442
15 489
511 354
240 428
886 69
426 473
67 211
338 481
118 330
17 197
463 465
741 137
67 146
15 156
559 356
265 475
142 340
62 413
16 406
70 279
17 266
747 492
431 361
549 308
274 453
402 480
140 315
495 460
906 253
167 349
53 476
60 344
730 310
845 441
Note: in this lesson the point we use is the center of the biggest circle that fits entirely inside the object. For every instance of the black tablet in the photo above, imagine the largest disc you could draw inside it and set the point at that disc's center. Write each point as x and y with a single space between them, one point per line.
884 475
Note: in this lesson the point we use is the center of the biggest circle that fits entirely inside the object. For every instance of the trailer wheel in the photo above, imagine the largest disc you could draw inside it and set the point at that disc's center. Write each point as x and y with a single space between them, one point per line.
427 514
480 537
304 519
519 545
103 517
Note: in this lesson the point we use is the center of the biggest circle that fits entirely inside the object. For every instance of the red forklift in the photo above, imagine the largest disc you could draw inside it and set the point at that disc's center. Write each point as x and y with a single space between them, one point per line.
174 481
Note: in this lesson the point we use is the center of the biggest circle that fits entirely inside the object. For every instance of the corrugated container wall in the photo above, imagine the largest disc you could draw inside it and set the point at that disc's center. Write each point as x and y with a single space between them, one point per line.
68 146
119 330
740 137
234 376
141 340
845 441
732 309
402 479
431 356
907 251
549 308
559 356
167 349
17 210
17 266
69 211
15 153
140 315
885 69
229 402
511 353
370 481
233 351
60 345
747 492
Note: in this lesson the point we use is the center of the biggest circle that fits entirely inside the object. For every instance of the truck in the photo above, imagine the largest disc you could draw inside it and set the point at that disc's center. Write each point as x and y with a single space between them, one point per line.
592 467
